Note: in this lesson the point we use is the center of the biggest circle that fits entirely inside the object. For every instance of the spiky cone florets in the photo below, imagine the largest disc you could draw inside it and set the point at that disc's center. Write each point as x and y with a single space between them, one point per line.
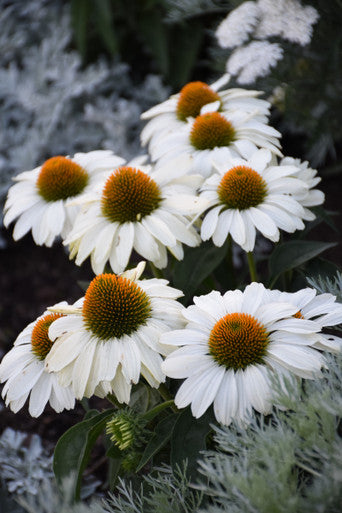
126 429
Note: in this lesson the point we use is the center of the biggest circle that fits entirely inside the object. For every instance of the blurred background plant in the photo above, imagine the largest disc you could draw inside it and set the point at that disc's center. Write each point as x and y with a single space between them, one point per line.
52 105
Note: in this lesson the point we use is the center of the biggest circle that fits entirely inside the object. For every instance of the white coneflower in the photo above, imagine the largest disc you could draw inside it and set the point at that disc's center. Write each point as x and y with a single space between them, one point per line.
111 336
135 208
38 199
194 99
231 346
246 196
22 368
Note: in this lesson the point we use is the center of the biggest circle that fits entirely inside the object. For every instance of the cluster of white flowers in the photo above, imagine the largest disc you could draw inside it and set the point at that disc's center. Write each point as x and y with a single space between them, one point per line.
255 22
215 170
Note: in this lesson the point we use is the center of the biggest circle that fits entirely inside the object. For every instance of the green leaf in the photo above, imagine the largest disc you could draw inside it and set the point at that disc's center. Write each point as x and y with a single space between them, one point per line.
104 21
162 435
90 414
294 253
185 43
73 448
154 34
197 265
139 398
80 12
189 438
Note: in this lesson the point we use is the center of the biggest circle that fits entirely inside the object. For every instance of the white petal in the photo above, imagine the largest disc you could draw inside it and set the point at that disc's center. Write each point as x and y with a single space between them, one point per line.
237 228
124 244
210 222
252 297
130 359
24 381
303 361
65 350
82 368
212 304
159 230
274 311
144 243
226 400
121 388
183 362
263 223
40 395
257 388
223 227
207 389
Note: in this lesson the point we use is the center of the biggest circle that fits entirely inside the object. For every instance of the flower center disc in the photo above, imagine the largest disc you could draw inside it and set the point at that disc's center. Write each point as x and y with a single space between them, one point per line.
238 340
192 98
114 306
129 194
242 187
40 342
210 131
61 178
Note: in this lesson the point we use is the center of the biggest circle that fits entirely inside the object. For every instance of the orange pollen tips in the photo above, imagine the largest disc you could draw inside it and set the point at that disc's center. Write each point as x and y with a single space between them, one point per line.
114 306
298 315
210 131
40 342
61 178
241 188
238 340
128 195
192 98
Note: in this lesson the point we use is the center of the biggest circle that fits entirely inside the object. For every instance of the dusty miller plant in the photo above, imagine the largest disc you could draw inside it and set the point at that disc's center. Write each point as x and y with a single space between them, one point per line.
50 104
290 462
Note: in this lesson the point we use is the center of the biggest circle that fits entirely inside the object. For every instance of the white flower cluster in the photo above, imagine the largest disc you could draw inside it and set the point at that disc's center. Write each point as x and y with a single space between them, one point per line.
256 22
215 170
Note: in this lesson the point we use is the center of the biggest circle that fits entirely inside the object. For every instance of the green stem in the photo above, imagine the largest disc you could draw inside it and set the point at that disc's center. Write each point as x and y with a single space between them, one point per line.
85 404
157 273
148 416
229 258
165 394
252 268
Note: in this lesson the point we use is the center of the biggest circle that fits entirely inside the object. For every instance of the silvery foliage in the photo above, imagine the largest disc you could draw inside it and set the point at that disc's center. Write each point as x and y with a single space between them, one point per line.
57 500
162 491
288 464
168 492
24 466
50 104
331 285
248 28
